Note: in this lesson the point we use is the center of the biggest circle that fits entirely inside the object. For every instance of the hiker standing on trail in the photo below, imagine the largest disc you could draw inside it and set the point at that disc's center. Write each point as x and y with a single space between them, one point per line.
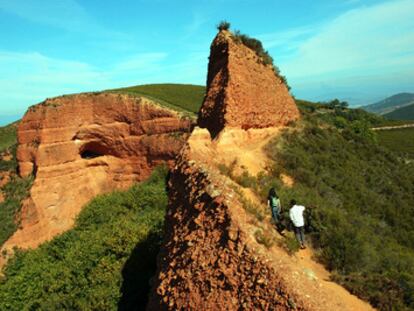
274 203
296 216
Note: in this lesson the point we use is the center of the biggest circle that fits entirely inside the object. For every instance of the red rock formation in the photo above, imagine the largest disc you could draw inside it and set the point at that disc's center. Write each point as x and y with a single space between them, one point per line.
242 91
208 261
84 145
215 255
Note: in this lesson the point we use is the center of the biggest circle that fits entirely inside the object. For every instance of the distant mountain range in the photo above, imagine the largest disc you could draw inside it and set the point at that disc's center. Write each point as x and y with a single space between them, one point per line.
391 104
404 113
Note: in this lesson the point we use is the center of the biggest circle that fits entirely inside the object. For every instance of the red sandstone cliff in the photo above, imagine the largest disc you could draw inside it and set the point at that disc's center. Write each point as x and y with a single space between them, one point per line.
242 91
83 145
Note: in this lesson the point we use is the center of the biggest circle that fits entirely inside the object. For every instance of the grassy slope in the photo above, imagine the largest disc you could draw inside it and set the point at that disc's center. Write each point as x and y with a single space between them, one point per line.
364 198
103 263
185 97
399 140
404 113
16 189
7 136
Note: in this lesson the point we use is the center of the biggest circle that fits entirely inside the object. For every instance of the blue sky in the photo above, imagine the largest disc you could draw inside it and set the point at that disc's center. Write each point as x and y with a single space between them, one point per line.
359 51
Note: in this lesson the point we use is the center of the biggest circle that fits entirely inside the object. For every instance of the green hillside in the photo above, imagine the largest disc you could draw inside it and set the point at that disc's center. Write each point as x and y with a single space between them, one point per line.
185 97
362 195
16 189
361 224
7 136
398 140
404 113
104 263
391 103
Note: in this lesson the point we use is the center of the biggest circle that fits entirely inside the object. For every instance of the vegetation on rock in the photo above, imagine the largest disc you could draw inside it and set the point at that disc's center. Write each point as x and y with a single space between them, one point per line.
257 46
223 25
184 97
7 136
16 189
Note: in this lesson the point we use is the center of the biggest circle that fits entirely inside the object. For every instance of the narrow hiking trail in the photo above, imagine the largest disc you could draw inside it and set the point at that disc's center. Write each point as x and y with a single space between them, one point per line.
393 127
305 277
222 248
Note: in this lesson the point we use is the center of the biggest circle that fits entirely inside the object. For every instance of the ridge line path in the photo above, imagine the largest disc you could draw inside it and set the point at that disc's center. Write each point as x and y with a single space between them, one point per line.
383 128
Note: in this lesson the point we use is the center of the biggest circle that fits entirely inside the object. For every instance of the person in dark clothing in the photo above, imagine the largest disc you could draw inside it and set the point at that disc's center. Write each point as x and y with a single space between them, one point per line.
273 202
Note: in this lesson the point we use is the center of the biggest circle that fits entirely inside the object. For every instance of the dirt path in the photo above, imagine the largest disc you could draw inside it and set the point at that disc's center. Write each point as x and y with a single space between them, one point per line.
307 278
307 281
383 128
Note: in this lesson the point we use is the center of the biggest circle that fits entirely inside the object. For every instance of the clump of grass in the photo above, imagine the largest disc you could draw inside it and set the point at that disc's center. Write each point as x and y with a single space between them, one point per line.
290 244
263 238
228 170
223 25
252 208
246 180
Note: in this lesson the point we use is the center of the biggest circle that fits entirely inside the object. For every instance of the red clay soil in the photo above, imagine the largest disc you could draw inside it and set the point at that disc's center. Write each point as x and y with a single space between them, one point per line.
84 145
242 91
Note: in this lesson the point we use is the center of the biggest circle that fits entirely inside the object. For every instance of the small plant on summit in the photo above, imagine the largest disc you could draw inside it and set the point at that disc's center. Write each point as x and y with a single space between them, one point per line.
223 25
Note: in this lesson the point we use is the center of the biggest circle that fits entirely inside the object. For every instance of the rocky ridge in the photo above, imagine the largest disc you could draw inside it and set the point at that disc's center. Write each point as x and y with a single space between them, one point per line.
213 257
83 145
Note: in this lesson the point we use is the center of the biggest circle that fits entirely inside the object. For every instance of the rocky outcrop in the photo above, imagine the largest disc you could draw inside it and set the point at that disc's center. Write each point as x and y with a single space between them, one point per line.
242 91
209 261
83 145
220 251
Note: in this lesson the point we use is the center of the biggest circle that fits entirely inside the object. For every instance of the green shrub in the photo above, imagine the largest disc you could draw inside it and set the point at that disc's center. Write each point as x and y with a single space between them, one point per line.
15 191
103 263
364 199
246 180
8 136
291 245
223 25
263 238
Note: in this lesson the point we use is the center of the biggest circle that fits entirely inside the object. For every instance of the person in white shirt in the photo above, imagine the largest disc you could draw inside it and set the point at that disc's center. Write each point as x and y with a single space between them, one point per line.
296 216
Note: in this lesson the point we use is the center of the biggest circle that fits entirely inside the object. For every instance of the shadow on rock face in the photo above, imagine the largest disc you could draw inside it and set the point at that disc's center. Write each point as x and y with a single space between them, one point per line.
137 272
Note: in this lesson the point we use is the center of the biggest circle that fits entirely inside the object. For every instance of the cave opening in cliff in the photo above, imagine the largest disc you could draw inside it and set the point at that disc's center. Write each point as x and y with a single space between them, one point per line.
93 150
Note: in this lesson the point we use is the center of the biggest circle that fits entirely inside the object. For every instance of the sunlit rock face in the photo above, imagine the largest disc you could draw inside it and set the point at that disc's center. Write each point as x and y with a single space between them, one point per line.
242 91
83 145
